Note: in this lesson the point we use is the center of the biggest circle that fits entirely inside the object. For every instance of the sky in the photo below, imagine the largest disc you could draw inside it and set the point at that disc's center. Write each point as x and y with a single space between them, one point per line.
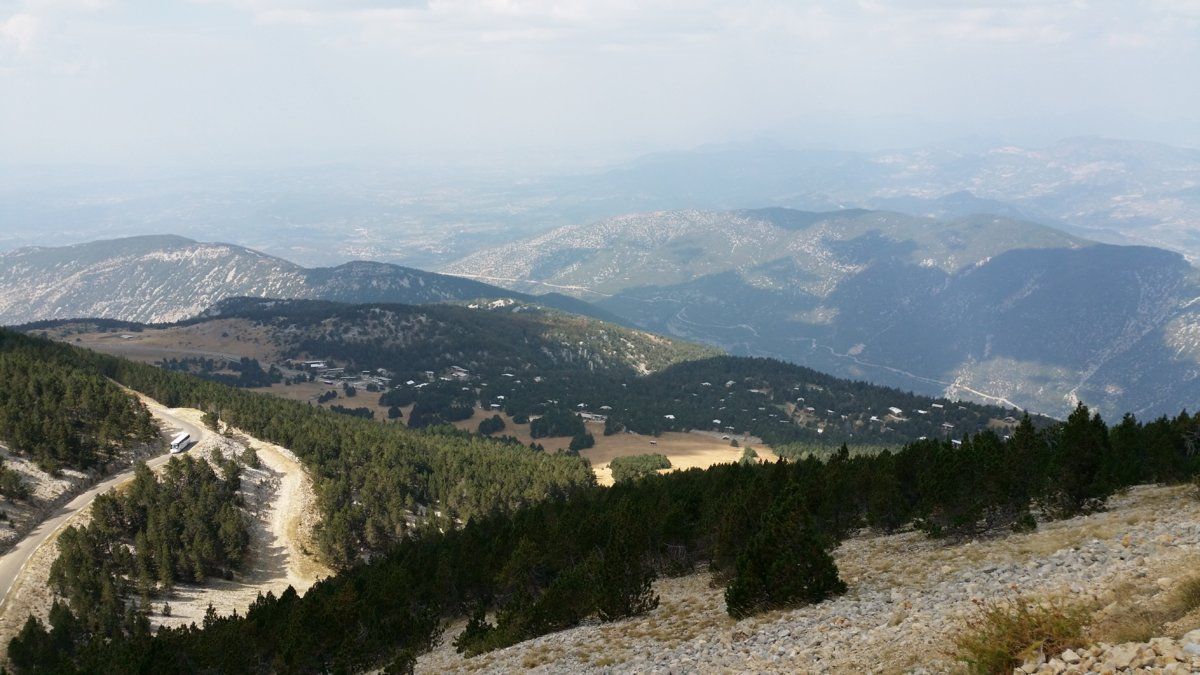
183 82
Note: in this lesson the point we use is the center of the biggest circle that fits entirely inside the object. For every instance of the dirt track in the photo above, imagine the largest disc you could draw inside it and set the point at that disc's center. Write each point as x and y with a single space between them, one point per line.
278 495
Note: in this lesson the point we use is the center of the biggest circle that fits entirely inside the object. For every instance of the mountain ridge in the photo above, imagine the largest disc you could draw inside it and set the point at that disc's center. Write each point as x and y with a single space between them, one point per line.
985 305
163 278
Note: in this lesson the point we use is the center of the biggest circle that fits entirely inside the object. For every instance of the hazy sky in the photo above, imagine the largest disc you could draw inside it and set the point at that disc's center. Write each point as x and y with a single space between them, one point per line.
147 81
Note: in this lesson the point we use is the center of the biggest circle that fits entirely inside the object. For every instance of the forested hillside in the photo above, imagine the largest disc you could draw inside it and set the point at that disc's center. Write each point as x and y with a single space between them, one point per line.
372 479
185 526
61 414
764 529
528 361
785 405
490 338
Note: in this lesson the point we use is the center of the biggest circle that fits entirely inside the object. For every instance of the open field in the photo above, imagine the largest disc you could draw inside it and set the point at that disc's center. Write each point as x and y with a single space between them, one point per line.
229 339
685 450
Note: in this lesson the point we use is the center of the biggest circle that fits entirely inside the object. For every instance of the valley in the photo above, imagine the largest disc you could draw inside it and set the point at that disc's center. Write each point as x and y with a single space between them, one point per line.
917 511
993 308
634 390
392 337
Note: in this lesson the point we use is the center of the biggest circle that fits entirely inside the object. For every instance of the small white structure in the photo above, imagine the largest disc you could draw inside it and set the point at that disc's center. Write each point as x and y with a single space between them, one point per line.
895 411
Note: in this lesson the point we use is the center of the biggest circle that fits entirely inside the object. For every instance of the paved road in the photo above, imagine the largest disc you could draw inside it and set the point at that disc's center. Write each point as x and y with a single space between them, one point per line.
13 562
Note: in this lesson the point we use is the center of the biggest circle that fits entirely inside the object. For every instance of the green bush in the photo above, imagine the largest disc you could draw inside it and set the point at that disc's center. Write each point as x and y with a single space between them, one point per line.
633 467
491 425
11 485
581 442
785 564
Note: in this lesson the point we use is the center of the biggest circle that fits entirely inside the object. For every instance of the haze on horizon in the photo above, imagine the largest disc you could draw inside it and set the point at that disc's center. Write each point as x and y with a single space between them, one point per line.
523 82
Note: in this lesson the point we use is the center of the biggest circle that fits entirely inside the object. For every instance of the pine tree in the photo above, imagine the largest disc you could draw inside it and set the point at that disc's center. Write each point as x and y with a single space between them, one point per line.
1079 483
785 563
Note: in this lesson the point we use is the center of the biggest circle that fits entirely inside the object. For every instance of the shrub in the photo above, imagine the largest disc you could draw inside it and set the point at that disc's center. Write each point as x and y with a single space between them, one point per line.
1186 597
633 467
250 458
11 485
749 456
581 442
491 425
785 564
1005 633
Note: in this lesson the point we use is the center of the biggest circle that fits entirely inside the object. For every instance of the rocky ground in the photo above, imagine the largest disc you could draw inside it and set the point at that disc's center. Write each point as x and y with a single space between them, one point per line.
908 597
1159 655
48 492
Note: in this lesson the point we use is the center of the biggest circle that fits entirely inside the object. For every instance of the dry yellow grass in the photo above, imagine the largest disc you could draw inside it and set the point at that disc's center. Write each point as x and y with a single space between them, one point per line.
211 339
1005 633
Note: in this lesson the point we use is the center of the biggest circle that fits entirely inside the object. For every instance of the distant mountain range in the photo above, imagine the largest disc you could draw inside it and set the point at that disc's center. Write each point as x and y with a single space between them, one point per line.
168 278
1116 191
998 309
989 307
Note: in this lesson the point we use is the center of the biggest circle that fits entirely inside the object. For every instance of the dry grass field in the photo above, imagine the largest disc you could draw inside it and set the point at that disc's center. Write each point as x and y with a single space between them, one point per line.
219 339
685 450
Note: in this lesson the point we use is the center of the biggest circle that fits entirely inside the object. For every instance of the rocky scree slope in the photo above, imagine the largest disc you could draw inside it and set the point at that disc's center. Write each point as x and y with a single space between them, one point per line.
908 596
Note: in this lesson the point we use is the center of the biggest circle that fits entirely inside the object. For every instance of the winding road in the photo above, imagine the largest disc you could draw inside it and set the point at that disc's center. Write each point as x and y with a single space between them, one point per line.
13 562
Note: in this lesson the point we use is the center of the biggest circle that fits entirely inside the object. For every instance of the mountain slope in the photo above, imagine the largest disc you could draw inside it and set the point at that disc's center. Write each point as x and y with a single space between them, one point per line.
500 336
997 309
523 360
168 278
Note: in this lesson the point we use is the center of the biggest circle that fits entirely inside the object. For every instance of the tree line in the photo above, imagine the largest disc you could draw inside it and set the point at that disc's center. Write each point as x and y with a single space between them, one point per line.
765 530
734 396
62 415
